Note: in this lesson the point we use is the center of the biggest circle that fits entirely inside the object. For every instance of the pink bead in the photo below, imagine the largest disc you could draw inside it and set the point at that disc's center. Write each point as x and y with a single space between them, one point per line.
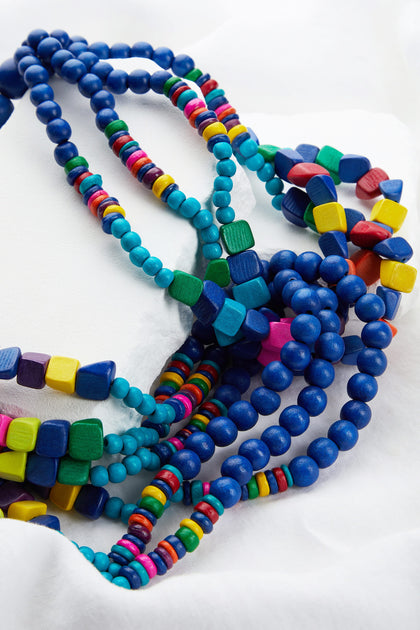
186 402
4 426
222 108
134 157
96 194
128 545
266 356
177 443
148 564
192 105
206 487
279 335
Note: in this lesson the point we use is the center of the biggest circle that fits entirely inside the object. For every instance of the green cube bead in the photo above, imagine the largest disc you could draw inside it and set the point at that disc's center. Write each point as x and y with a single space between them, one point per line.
252 486
329 158
185 288
218 271
189 539
86 439
268 151
237 236
153 505
308 217
73 472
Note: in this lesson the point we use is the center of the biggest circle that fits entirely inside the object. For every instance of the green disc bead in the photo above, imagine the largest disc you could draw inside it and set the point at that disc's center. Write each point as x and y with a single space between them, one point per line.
79 160
149 503
114 126
193 74
201 384
169 83
215 503
170 384
199 424
189 539
253 491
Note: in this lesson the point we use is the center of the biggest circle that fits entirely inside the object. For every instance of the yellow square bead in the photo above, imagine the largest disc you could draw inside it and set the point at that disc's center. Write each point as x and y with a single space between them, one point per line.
25 510
13 465
398 276
22 434
61 374
330 216
389 212
64 496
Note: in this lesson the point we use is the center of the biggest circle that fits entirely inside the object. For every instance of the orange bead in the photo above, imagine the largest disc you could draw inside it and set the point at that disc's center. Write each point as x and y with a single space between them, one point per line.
141 520
168 547
227 112
196 113
352 267
94 205
367 264
394 330
137 165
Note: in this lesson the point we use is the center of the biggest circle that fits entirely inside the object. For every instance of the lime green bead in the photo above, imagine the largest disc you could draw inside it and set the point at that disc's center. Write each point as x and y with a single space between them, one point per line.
76 161
308 217
114 126
237 236
73 472
189 539
169 83
268 151
218 271
155 506
185 288
329 158
253 491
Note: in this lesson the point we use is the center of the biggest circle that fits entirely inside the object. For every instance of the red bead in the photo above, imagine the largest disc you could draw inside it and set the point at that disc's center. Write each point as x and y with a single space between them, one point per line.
181 366
210 369
196 391
168 477
79 179
367 234
368 185
367 265
301 173
208 86
177 92
280 478
161 398
119 143
207 510
209 406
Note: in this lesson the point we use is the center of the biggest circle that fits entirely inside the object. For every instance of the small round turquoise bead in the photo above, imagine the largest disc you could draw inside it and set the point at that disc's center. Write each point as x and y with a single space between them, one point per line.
221 198
113 443
222 150
176 199
266 172
99 476
223 183
101 561
113 509
138 255
134 397
164 278
152 266
225 215
147 405
249 148
88 553
119 388
130 240
189 208
274 186
117 472
255 162
212 251
133 464
122 581
127 511
227 168
120 227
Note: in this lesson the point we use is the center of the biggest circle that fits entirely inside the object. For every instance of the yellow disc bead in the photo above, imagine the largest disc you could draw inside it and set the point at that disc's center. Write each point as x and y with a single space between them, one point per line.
389 212
25 510
61 374
155 493
13 465
330 216
262 483
172 376
203 378
214 129
22 434
396 275
113 208
203 419
235 131
195 527
64 496
161 183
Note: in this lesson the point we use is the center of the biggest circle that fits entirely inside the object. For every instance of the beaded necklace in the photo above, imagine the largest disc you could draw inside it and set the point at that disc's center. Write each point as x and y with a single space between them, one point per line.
282 318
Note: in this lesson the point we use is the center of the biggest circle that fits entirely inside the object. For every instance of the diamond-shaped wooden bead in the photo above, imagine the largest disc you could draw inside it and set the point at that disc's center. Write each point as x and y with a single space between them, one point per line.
389 212
237 236
185 288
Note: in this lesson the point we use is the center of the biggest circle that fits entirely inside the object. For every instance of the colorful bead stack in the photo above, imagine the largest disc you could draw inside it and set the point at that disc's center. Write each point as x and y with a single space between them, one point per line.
282 319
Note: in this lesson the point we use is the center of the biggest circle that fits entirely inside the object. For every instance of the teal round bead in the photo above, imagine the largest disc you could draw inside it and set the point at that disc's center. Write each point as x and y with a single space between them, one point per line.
222 150
277 201
266 172
119 227
225 215
117 472
129 444
134 397
161 414
255 162
127 511
202 219
120 580
88 553
119 388
223 183
155 462
133 464
274 186
130 240
147 405
185 97
190 207
152 266
210 234
248 148
107 575
139 568
164 278
220 198
145 456
101 561
99 476
138 254
212 251
114 568
113 444
175 199
227 168
113 508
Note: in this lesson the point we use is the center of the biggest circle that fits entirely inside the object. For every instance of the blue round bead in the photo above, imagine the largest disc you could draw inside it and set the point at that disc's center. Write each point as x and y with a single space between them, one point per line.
284 276
227 490
369 307
256 451
324 451
349 289
40 93
290 289
187 462
101 69
305 301
237 467
89 85
362 387
320 372
295 355
88 59
327 298
277 439
139 81
47 111
313 399
344 434
117 81
163 56
330 322
47 47
104 117
101 100
36 36
330 346
376 334
58 130
307 264
294 419
192 348
227 394
202 444
73 70
222 430
265 400
276 376
238 377
182 65
142 49
101 49
304 470
372 361
357 412
333 268
120 51
35 74
305 328
243 414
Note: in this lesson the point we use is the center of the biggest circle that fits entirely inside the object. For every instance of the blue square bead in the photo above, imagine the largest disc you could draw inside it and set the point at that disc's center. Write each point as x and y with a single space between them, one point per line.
352 167
244 266
91 501
52 438
284 161
230 317
309 152
334 244
41 470
321 189
294 204
392 300
9 361
94 381
209 303
252 294
47 520
352 217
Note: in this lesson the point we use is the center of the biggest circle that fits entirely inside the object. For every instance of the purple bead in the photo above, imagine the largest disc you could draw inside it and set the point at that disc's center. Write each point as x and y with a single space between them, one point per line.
140 531
10 492
32 368
166 557
151 175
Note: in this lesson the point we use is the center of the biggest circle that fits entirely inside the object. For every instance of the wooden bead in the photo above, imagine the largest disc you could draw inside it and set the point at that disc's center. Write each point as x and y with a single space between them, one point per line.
25 510
301 173
42 471
330 216
195 527
213 130
285 160
352 167
73 472
235 131
9 362
252 294
279 335
330 158
396 248
53 438
61 374
392 189
368 185
64 496
4 427
185 288
161 183
367 265
13 465
31 369
22 434
237 236
397 276
86 440
389 212
262 483
366 234
321 189
230 318
218 271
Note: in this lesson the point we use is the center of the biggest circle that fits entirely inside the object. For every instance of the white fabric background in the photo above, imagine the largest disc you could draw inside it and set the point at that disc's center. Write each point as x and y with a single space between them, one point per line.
341 554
